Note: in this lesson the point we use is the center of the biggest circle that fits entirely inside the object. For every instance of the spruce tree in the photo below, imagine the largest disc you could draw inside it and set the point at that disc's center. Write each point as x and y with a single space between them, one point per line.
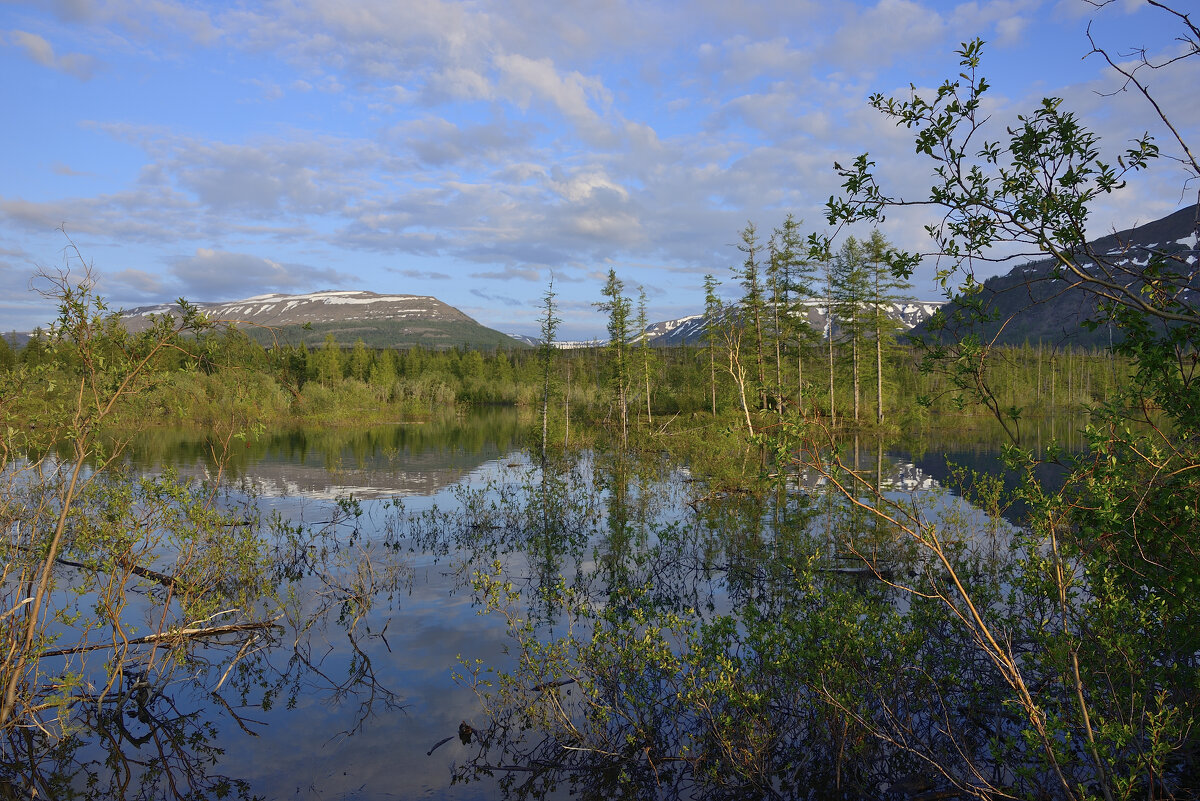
851 296
885 288
549 327
617 308
360 361
712 314
797 276
8 357
753 305
644 357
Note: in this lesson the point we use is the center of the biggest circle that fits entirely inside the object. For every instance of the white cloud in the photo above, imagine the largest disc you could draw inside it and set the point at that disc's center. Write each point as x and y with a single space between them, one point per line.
585 185
1009 30
437 141
40 51
1001 22
135 283
219 275
876 37
458 83
526 79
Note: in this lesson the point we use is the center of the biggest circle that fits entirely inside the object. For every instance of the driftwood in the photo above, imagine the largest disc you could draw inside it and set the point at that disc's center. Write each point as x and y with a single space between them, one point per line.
164 579
175 635
137 570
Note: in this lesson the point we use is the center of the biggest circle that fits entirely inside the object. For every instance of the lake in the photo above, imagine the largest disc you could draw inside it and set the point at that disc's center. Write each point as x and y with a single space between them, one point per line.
419 524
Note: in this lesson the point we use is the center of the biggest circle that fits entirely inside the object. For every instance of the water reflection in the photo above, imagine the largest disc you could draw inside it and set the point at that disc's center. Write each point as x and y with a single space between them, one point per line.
663 637
377 461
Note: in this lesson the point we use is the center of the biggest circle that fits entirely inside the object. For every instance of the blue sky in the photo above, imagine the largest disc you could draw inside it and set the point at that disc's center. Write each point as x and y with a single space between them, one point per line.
467 150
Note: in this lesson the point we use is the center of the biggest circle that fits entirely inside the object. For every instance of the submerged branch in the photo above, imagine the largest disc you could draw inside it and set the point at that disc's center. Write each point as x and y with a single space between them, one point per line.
177 635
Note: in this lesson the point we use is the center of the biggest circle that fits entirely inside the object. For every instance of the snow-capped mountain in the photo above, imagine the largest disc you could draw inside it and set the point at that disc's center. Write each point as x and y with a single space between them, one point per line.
346 314
690 329
325 306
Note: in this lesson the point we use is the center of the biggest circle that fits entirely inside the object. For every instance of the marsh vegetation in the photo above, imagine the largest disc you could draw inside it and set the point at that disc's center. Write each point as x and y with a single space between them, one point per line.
698 572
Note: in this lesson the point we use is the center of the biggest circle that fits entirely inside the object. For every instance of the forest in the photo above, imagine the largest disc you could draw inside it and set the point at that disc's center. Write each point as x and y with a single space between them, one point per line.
760 360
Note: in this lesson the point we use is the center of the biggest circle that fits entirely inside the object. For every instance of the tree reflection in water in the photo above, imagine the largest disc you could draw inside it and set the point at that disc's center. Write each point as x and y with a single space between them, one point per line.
241 616
668 636
764 644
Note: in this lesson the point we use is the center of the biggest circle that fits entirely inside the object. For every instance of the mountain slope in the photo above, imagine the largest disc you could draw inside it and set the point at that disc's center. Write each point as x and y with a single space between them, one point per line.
349 315
1031 304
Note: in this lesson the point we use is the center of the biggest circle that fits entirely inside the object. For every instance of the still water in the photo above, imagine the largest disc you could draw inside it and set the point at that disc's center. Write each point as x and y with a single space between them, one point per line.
365 704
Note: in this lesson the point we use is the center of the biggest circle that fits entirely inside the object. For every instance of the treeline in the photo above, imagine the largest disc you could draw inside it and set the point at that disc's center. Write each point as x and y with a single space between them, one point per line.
761 359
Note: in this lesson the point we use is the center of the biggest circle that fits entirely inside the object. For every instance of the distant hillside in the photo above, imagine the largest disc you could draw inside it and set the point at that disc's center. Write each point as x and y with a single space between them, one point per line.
690 330
1034 306
349 315
561 344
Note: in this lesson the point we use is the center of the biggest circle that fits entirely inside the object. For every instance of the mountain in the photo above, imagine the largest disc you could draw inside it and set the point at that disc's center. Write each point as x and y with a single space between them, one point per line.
1032 305
685 330
690 330
349 315
561 344
525 339
17 339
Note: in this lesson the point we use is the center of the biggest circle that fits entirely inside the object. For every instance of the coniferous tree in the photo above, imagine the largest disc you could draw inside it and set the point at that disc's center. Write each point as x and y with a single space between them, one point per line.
327 367
8 357
360 361
753 305
617 308
851 293
301 360
712 314
34 352
777 293
884 288
644 356
383 372
798 276
549 328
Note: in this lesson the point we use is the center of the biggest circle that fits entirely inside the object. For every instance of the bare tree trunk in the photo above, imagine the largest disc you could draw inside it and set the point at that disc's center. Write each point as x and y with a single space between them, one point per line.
545 418
739 376
799 379
829 331
854 368
778 364
712 366
646 372
624 416
737 371
878 369
758 357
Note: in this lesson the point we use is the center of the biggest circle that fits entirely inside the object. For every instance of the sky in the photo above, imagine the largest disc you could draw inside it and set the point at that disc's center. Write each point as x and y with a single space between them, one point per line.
474 150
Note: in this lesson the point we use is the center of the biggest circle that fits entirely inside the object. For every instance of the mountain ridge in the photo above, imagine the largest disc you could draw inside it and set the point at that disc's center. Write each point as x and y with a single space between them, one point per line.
380 320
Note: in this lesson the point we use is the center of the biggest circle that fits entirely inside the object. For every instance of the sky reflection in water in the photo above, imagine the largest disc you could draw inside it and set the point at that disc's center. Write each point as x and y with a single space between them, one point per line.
304 752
